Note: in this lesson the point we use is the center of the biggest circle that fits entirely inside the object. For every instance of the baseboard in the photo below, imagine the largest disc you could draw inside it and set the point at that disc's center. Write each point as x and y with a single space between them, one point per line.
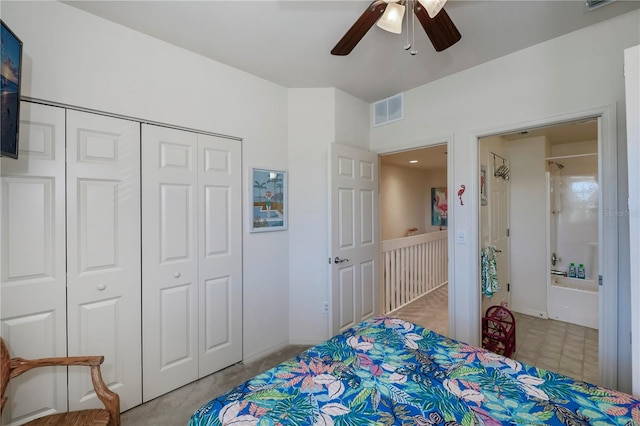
268 351
530 312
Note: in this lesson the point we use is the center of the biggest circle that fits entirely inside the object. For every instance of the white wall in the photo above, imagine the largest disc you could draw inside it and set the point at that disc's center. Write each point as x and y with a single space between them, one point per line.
576 72
75 58
311 130
528 226
405 199
317 118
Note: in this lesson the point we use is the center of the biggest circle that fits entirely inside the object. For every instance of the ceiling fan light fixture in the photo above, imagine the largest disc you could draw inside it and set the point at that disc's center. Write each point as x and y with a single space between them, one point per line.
391 19
433 6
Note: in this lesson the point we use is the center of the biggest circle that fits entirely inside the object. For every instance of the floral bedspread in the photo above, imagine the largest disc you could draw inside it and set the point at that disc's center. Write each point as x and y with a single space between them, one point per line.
386 371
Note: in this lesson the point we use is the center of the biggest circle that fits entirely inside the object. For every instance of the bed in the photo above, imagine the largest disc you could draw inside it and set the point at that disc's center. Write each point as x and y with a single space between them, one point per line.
387 371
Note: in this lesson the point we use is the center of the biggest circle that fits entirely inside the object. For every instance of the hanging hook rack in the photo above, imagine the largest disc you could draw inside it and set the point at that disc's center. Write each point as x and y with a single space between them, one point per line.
503 170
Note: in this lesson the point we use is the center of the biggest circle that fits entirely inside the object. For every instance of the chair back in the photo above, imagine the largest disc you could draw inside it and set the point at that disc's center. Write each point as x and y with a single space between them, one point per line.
5 372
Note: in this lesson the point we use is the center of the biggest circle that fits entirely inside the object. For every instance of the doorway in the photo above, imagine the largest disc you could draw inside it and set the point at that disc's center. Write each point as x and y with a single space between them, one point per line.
553 220
413 234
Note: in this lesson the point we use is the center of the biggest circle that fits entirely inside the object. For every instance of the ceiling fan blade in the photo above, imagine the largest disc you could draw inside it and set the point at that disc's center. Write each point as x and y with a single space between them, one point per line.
359 28
440 29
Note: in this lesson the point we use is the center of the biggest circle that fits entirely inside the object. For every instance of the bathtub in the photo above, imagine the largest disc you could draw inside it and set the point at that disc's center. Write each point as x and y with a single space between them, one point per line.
573 300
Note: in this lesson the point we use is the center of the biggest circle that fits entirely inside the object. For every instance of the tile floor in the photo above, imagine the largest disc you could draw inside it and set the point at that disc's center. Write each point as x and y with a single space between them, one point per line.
565 348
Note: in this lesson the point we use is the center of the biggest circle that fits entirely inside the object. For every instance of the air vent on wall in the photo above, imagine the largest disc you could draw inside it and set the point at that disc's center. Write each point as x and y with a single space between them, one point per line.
594 4
388 110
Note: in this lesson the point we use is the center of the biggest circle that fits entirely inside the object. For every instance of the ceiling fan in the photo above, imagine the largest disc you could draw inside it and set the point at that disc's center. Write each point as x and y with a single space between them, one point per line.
388 14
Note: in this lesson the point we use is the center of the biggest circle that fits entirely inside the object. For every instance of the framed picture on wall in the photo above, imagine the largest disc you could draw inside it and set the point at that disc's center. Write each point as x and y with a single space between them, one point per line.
268 200
439 206
483 185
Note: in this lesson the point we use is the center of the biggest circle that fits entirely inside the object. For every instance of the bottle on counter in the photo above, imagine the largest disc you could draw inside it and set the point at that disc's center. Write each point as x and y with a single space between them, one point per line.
572 270
581 274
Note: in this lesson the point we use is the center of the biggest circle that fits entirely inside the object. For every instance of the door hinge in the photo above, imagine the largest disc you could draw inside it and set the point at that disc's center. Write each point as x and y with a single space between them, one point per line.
329 261
508 286
600 280
508 232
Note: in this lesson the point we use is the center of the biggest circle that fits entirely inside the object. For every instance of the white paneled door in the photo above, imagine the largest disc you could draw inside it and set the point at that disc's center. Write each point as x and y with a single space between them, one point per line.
354 245
220 253
498 189
192 273
103 254
33 261
169 259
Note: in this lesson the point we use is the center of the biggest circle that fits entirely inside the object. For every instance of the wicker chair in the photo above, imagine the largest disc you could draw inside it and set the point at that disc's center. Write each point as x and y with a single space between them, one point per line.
110 415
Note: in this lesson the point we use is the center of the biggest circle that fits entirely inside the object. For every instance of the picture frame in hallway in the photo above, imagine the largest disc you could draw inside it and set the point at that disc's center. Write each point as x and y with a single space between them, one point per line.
483 185
269 211
439 206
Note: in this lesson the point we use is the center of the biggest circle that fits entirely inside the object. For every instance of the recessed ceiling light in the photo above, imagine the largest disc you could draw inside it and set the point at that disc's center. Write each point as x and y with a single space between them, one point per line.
413 161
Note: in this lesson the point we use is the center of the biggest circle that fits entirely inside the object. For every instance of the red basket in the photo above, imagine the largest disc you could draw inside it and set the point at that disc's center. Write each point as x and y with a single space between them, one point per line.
499 331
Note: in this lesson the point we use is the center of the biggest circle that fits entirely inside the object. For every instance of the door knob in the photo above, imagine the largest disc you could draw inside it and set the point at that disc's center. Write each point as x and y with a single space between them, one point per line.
177 274
101 287
338 260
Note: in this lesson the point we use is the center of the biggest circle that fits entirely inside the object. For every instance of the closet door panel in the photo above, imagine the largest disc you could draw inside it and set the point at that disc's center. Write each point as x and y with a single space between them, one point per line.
169 259
220 253
104 266
33 304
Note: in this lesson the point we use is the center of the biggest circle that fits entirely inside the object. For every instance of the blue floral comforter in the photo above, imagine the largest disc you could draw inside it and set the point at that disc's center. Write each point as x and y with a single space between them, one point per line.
386 371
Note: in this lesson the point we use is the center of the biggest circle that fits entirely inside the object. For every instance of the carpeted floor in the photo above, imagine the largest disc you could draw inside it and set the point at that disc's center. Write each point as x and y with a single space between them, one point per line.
430 311
175 408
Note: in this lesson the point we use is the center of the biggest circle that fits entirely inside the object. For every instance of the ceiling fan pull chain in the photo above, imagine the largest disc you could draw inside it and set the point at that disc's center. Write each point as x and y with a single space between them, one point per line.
408 45
413 34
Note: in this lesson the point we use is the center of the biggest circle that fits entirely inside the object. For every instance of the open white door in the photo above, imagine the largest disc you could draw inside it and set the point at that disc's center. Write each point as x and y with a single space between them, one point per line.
498 188
353 243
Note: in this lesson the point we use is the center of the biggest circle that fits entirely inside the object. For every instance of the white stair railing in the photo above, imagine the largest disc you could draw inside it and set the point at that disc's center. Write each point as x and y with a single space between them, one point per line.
413 266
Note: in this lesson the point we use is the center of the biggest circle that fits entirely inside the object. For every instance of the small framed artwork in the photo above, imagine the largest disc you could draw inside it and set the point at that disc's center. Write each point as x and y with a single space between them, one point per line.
268 200
439 207
483 185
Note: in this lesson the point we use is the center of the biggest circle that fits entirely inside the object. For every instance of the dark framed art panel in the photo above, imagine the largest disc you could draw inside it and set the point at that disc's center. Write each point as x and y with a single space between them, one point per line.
11 71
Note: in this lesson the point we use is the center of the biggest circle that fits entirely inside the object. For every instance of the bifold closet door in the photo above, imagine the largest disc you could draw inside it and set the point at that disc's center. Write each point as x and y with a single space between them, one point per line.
192 257
220 253
169 259
103 254
33 278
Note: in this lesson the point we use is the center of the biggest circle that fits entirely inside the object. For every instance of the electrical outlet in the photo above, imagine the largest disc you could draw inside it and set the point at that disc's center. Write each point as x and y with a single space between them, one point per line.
325 307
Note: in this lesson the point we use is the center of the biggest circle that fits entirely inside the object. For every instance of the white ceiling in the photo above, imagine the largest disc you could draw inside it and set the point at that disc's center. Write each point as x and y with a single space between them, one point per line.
288 42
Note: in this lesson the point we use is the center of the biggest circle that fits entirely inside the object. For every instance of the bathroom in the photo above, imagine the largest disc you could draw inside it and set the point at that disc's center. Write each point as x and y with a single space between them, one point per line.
552 207
572 200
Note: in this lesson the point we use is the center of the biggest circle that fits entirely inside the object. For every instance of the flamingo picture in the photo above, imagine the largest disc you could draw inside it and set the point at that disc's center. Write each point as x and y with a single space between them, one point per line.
460 192
441 205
